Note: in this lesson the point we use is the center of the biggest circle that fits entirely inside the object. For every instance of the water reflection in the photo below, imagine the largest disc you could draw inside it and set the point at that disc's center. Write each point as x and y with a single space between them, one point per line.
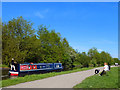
12 77
5 72
8 77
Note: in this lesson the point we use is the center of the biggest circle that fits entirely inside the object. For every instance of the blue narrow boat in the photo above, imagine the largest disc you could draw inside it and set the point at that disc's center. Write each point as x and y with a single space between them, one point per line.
32 68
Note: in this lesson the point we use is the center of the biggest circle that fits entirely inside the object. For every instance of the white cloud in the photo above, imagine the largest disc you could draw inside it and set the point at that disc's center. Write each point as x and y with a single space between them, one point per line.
99 50
39 15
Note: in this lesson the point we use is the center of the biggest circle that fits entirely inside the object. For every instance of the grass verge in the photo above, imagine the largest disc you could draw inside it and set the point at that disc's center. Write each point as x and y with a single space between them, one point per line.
110 80
33 77
3 66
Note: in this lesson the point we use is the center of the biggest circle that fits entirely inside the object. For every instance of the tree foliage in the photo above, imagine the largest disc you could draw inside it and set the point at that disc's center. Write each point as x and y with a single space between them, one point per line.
25 44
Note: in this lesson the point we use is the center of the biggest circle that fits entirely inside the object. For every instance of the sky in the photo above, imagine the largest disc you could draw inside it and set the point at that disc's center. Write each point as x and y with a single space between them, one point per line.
83 24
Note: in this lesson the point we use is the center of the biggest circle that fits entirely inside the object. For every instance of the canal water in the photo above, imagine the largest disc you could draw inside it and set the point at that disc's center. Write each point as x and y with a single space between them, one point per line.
5 74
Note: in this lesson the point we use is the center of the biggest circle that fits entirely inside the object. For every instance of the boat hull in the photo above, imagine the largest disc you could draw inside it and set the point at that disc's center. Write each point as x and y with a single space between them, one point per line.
13 73
27 69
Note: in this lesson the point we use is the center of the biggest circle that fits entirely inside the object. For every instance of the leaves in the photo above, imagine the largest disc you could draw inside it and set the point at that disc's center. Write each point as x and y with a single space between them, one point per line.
20 41
14 34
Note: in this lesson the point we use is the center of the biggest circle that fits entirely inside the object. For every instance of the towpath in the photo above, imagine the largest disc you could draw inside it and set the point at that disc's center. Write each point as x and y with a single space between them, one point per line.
60 81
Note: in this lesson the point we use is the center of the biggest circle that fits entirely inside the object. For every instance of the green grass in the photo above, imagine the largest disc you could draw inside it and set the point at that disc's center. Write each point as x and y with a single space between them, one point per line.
4 66
33 77
110 80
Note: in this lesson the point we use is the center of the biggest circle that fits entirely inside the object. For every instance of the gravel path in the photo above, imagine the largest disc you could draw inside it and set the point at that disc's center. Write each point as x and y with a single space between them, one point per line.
60 81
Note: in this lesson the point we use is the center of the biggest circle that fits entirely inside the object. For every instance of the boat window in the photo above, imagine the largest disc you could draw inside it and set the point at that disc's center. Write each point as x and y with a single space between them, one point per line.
40 67
29 66
57 65
34 66
43 66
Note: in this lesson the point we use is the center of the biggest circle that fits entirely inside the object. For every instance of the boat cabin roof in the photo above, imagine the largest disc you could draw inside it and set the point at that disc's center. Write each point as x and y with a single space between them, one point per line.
39 63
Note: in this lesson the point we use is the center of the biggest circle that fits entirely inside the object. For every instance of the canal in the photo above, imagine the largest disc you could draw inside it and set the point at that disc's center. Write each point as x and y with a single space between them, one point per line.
5 74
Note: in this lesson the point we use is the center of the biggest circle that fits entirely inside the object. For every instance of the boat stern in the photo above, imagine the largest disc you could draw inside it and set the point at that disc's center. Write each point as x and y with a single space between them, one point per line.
13 73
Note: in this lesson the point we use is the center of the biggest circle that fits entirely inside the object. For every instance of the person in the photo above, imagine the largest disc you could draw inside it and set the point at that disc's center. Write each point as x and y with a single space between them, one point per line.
106 68
109 67
12 64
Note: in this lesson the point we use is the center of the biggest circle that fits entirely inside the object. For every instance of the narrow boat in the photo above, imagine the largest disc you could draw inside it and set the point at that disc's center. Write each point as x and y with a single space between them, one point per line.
33 68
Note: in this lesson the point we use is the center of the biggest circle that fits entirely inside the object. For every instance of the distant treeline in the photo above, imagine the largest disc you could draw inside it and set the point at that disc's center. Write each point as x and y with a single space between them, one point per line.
25 44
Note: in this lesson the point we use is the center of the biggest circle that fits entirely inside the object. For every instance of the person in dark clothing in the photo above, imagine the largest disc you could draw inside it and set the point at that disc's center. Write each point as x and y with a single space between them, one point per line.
103 72
109 67
106 68
12 64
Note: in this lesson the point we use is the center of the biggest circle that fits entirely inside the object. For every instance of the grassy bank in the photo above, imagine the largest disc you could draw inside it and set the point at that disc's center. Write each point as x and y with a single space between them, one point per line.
110 80
4 66
33 77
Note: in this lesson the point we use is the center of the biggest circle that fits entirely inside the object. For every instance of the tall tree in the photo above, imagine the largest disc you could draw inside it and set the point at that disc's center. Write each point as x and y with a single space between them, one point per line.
0 41
13 36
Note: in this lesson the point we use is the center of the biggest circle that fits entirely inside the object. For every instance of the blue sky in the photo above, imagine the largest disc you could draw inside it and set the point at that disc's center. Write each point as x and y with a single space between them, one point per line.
83 24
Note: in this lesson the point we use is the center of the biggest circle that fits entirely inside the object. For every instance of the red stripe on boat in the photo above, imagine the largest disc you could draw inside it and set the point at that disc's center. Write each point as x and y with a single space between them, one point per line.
12 74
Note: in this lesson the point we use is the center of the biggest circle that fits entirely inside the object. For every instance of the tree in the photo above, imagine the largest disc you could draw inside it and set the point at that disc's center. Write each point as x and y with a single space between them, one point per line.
92 52
20 41
0 41
13 36
105 57
116 60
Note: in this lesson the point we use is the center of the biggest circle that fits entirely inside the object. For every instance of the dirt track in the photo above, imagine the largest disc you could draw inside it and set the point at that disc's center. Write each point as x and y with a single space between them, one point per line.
60 81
